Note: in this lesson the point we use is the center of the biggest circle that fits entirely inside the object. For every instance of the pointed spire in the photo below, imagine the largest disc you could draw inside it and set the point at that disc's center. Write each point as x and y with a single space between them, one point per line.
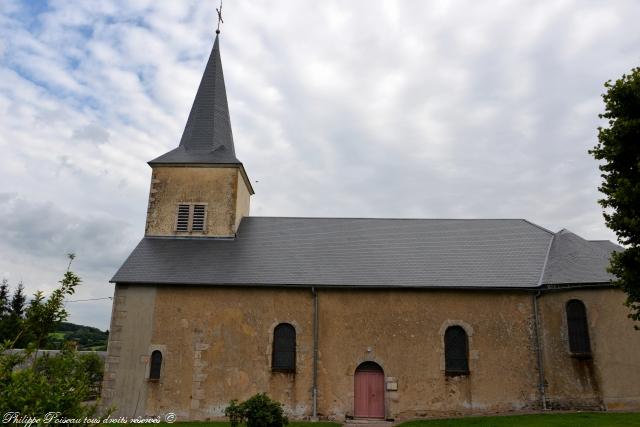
207 137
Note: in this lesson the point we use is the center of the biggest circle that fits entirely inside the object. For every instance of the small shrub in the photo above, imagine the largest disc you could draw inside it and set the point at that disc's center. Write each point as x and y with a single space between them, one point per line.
257 411
234 413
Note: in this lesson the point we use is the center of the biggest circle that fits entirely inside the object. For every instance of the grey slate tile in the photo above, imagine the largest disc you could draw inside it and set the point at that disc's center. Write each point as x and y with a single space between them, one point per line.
207 136
350 252
574 260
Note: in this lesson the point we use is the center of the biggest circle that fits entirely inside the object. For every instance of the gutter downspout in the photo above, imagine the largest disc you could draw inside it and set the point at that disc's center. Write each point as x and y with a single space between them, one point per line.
538 337
314 390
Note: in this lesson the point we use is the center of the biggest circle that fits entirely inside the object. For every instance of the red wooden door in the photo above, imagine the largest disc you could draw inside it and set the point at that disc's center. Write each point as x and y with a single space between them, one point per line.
369 393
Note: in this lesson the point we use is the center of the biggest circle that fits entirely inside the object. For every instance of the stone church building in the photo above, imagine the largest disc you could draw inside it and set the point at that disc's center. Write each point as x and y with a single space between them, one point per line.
351 317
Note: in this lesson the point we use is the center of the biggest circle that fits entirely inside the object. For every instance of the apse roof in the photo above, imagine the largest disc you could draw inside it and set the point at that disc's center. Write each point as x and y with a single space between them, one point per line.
574 260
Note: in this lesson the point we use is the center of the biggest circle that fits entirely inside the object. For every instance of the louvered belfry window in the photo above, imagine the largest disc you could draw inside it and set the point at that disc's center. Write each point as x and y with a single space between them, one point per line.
578 328
191 217
197 223
155 365
182 224
284 348
456 351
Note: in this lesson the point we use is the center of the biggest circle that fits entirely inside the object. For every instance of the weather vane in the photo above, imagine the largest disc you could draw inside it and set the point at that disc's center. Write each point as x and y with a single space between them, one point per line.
219 17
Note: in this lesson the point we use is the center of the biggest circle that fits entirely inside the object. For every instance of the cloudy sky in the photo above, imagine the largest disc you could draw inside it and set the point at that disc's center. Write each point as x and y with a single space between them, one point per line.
430 109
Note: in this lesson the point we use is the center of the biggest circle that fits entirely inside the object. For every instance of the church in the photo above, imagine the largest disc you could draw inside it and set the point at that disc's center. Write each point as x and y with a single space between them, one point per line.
343 318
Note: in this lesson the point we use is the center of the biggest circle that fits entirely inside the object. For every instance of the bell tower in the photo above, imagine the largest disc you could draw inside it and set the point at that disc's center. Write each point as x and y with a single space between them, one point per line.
200 188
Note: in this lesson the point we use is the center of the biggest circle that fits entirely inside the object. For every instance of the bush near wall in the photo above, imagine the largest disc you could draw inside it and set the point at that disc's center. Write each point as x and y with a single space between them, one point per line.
257 411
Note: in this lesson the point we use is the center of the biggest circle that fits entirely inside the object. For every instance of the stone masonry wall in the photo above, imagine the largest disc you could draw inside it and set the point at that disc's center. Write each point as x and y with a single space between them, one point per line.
127 365
610 379
217 343
215 186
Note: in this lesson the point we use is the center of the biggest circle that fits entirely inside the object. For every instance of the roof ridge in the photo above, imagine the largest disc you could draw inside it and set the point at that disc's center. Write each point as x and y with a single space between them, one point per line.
546 261
539 226
397 219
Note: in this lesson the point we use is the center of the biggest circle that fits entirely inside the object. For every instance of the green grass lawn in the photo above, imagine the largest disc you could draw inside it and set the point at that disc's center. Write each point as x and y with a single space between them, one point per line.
581 419
226 424
57 335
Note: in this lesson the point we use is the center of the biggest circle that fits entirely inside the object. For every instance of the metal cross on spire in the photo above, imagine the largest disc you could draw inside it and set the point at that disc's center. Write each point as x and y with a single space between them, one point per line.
219 17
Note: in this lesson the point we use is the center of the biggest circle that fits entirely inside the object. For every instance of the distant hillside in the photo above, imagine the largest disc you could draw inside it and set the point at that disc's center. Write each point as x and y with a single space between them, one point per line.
87 337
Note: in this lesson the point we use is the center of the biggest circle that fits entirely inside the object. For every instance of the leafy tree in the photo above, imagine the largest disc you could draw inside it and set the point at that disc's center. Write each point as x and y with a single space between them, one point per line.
57 384
44 315
18 301
619 147
4 298
38 385
4 309
11 322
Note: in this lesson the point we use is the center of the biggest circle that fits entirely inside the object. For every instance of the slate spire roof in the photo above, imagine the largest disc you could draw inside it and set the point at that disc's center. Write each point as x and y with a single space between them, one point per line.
207 137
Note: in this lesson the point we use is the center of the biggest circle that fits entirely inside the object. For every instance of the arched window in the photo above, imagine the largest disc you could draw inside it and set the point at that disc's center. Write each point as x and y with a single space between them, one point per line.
156 364
578 328
456 351
284 348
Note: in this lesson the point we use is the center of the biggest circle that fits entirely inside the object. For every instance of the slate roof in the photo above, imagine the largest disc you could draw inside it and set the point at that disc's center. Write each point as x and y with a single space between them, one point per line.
574 260
607 245
353 252
207 136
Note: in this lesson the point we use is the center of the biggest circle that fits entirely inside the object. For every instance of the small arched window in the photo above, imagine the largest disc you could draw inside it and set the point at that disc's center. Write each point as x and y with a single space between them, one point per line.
456 351
156 364
284 348
578 328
